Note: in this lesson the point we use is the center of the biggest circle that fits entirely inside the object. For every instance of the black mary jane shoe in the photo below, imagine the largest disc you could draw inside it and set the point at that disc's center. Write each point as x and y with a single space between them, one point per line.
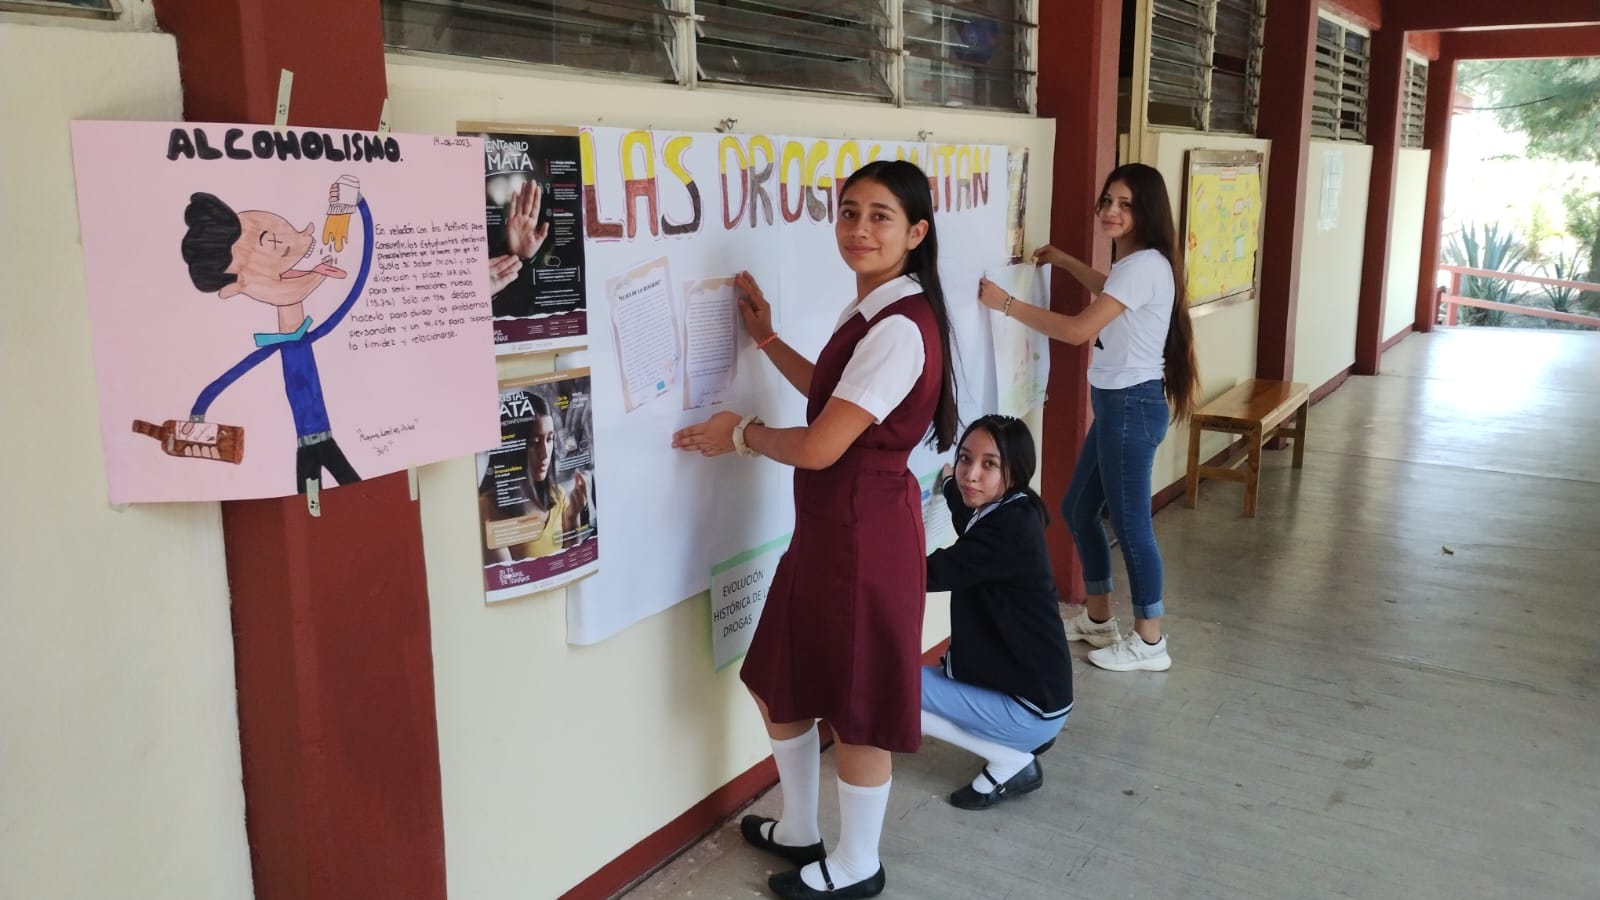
1029 779
753 826
790 886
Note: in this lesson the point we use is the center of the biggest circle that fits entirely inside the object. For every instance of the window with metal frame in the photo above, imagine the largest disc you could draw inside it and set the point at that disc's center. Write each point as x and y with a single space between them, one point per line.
840 46
971 53
1205 63
1339 88
1414 106
89 9
627 37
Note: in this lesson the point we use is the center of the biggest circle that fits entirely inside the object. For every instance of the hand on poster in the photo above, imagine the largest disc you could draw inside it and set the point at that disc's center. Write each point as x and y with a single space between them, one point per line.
713 437
753 307
525 234
992 295
1050 255
503 271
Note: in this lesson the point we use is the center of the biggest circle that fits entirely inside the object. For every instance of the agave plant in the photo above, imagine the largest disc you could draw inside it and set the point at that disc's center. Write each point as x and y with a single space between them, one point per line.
1558 298
1486 247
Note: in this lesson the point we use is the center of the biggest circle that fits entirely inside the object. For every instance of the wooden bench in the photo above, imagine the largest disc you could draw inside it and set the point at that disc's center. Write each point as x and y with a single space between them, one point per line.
1256 411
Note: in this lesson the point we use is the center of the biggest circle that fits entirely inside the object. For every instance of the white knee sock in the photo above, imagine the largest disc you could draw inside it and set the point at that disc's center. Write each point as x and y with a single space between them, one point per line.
1002 761
855 857
800 778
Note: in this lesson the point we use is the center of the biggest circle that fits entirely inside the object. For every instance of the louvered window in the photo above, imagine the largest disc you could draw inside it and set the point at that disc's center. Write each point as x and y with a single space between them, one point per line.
1205 63
971 53
1415 103
823 45
1339 93
968 53
630 37
92 9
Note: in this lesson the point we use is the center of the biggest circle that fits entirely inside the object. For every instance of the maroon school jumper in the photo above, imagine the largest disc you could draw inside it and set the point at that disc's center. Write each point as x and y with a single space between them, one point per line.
841 635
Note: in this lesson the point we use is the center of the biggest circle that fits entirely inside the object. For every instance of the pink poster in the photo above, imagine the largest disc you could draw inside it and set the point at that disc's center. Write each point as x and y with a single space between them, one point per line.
274 311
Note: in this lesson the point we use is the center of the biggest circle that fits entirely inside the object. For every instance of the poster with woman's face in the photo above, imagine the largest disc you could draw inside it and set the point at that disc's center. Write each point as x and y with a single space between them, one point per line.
536 490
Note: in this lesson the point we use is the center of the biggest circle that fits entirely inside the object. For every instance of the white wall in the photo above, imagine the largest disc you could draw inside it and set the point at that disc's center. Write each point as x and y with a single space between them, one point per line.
1225 337
119 749
1330 266
557 759
1405 240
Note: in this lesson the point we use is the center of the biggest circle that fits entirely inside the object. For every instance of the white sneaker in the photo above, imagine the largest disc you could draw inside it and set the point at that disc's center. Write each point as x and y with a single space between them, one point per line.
1100 634
1133 654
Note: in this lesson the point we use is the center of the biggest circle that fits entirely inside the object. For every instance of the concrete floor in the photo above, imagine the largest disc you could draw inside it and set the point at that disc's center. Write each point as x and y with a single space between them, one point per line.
1383 687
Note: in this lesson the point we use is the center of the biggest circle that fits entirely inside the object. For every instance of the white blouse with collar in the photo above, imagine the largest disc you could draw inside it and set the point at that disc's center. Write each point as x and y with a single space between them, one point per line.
888 361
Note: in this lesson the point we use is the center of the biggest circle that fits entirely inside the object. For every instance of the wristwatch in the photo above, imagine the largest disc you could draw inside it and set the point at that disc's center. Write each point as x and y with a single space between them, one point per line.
738 435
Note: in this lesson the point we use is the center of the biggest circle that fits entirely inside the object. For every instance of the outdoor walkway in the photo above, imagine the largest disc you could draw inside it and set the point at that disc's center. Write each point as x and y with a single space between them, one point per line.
1383 687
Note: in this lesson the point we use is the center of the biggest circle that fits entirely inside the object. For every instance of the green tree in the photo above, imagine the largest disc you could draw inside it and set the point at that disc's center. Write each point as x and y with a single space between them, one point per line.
1556 103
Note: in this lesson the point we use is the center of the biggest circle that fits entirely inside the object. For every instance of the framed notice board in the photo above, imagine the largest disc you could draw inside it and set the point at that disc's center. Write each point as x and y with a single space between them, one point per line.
1222 207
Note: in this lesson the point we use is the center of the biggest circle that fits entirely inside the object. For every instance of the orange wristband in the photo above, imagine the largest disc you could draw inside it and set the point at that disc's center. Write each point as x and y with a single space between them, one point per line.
762 344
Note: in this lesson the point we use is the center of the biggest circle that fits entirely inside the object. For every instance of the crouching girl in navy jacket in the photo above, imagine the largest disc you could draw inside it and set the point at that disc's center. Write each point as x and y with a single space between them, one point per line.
1004 688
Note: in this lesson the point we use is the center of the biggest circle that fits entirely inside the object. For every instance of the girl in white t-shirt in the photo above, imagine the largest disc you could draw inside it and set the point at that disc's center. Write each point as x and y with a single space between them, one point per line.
1142 376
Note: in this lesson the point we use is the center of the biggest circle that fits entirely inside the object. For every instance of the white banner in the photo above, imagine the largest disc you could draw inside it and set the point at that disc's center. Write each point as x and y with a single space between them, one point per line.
669 218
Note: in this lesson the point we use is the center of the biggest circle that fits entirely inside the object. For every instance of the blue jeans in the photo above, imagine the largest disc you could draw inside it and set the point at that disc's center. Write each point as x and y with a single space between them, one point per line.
1114 469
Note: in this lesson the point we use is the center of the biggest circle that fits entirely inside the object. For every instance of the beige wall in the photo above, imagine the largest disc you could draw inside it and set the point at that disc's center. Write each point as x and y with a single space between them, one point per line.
1225 337
119 749
1405 241
1330 266
557 759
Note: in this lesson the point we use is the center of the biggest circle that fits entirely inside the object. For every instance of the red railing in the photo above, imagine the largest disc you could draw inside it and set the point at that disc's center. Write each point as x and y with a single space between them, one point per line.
1452 300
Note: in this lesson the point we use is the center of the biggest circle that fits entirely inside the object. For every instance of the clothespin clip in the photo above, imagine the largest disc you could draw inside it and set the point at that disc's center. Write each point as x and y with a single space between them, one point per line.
383 131
411 479
923 135
726 125
313 502
280 118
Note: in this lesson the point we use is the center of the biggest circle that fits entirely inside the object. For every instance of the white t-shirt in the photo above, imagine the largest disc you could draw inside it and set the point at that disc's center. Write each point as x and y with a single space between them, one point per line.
888 361
1132 347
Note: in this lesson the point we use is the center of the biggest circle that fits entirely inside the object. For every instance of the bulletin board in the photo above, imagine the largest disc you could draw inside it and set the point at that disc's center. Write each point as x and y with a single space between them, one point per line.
1222 209
666 220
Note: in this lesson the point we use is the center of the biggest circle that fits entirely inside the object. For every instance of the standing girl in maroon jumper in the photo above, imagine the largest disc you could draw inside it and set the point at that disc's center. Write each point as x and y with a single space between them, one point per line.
841 636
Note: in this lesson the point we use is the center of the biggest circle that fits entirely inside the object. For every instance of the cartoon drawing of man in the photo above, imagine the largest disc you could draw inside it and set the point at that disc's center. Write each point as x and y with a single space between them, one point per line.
262 256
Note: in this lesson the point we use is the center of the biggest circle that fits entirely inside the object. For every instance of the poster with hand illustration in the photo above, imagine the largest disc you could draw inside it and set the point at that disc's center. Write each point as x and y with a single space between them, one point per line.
533 204
277 311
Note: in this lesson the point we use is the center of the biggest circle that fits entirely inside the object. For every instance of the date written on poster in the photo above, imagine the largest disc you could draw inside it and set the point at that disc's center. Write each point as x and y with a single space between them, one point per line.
425 285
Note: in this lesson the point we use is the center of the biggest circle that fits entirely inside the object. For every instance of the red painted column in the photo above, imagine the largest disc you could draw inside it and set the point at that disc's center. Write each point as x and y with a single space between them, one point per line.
1385 86
1437 115
1284 119
1078 46
332 646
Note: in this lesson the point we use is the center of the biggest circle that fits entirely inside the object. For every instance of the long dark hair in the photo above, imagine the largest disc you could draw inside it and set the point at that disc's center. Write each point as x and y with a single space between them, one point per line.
1018 459
909 185
545 492
1156 229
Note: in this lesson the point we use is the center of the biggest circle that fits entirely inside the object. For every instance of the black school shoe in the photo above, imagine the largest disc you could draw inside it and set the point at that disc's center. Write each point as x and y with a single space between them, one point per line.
790 886
751 827
1031 778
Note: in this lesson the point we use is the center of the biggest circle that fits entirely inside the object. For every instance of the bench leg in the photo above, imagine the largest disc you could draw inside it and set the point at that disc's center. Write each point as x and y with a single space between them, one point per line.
1191 482
1253 470
1300 435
